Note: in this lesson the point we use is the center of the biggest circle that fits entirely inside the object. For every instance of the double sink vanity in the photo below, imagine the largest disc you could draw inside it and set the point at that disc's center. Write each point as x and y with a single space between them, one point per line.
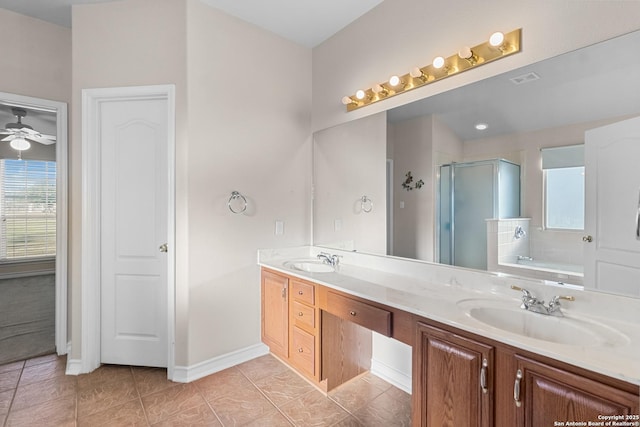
486 349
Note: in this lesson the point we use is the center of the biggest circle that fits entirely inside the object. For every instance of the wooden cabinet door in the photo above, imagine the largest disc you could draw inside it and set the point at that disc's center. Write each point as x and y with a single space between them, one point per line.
453 380
275 313
549 395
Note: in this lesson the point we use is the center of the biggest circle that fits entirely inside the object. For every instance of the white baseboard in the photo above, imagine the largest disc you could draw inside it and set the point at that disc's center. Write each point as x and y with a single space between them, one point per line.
391 375
186 374
74 367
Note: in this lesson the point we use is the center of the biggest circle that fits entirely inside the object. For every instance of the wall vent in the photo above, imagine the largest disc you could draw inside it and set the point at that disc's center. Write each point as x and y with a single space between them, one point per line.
525 78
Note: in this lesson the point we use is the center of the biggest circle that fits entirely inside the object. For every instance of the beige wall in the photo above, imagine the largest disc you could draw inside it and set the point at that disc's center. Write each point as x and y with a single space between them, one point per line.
243 123
401 34
413 224
249 101
36 58
349 162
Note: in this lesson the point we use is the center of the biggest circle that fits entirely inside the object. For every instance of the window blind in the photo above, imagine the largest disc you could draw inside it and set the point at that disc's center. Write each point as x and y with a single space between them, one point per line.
570 156
27 209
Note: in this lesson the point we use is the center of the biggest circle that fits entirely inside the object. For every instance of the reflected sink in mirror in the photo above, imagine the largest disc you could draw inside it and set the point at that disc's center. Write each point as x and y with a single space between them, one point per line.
309 266
567 330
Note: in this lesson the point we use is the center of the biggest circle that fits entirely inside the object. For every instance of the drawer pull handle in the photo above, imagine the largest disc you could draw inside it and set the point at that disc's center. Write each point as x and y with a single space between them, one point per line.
516 388
300 350
300 314
353 313
300 293
483 376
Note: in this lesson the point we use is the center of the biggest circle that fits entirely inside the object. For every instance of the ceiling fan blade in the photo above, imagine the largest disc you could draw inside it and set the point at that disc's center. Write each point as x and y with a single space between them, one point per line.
5 132
43 141
29 131
8 138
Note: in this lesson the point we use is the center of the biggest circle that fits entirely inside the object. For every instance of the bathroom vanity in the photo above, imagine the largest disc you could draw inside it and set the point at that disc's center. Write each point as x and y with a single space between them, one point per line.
471 365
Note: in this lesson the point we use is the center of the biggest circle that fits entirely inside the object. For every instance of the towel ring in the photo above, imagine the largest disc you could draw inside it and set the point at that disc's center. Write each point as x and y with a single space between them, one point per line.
366 204
236 195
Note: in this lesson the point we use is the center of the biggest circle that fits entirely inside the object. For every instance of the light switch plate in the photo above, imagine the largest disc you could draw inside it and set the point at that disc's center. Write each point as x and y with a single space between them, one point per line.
279 228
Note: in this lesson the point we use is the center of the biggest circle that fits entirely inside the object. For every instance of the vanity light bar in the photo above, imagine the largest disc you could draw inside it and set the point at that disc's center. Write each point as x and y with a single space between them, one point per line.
498 46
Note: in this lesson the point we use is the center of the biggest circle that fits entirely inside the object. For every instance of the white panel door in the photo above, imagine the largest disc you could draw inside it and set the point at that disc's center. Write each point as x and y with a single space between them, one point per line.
134 197
612 167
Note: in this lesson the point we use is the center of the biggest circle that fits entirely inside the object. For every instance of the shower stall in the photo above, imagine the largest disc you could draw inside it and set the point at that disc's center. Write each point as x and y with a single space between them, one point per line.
469 194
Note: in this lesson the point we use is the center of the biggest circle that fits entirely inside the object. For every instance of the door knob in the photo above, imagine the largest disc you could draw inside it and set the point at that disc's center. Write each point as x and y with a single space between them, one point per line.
163 247
587 239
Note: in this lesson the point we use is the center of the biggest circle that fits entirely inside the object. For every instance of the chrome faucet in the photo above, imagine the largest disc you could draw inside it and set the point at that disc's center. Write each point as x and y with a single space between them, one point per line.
524 258
327 258
531 303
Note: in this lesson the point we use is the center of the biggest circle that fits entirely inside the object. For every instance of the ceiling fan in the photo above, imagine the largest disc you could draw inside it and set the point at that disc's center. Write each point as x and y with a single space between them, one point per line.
21 135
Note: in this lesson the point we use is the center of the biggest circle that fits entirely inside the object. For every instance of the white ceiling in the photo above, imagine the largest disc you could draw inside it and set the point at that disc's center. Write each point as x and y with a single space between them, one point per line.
306 22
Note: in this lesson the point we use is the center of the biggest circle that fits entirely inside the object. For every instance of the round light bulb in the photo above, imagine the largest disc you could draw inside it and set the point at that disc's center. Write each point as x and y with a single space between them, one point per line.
360 94
415 72
20 144
481 126
394 80
346 100
438 62
465 52
496 39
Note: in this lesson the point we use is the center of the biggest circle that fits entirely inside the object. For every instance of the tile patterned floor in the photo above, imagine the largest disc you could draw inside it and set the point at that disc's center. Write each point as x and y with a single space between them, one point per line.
261 392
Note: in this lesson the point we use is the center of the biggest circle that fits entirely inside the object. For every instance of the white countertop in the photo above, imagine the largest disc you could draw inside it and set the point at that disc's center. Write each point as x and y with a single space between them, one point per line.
439 292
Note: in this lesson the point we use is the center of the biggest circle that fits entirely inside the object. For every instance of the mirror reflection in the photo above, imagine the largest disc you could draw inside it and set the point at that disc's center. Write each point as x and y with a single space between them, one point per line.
527 124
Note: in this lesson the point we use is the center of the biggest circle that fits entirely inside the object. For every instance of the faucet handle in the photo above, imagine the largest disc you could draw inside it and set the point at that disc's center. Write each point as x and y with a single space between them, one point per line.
556 299
525 292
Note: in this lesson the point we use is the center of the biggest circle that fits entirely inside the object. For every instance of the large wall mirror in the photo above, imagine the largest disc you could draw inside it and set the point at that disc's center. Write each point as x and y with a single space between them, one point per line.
510 148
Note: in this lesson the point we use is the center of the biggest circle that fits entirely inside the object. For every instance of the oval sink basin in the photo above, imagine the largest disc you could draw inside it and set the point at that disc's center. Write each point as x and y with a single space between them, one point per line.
567 330
310 266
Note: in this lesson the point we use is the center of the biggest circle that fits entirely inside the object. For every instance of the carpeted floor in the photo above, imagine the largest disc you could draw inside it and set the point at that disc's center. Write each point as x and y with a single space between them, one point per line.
27 317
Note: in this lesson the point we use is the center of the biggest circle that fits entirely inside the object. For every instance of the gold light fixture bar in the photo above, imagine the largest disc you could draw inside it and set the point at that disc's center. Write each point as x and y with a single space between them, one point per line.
466 59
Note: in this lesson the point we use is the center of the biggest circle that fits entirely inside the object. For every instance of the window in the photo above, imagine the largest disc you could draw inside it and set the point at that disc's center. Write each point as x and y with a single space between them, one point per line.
563 169
27 209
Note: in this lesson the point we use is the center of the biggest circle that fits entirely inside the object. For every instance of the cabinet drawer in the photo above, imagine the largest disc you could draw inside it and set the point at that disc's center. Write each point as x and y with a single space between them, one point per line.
304 292
303 315
363 314
303 351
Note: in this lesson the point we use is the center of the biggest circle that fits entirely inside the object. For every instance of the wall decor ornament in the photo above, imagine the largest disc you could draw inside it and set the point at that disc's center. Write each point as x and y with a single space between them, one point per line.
408 180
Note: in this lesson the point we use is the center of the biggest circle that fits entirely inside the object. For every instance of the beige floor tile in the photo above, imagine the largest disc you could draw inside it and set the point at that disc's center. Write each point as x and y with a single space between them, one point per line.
5 401
44 391
385 411
58 413
14 366
130 414
355 394
151 380
104 374
275 419
105 395
222 383
9 380
376 381
262 367
283 387
43 371
44 359
314 409
166 403
242 406
200 415
350 421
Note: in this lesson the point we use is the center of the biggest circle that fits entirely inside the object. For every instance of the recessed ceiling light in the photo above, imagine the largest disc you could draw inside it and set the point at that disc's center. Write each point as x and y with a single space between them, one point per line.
481 126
